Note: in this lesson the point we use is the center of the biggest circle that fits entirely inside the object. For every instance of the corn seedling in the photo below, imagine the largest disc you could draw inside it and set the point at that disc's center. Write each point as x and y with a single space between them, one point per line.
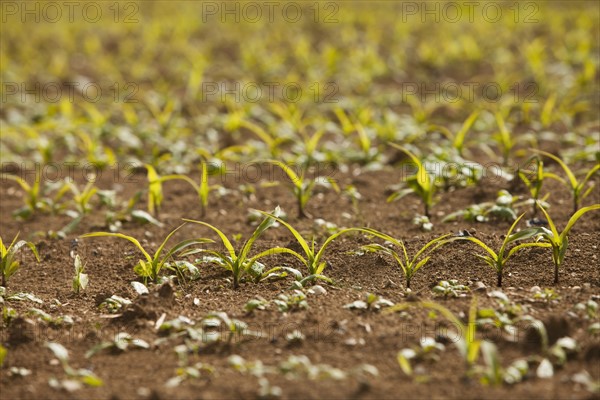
186 371
458 139
114 304
420 183
371 302
76 376
493 373
152 265
302 186
202 189
559 241
450 288
3 353
82 197
273 142
428 350
121 343
33 195
80 280
423 222
534 180
8 264
238 262
312 258
409 265
310 153
498 260
503 209
155 194
467 343
57 321
35 199
219 322
294 301
504 138
577 187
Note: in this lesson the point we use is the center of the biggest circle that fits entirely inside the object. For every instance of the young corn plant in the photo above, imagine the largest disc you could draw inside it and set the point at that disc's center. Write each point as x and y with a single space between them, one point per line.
498 260
420 183
312 258
559 241
80 279
303 187
202 189
467 344
8 264
155 194
577 187
152 265
82 197
504 139
535 179
409 265
35 197
238 262
458 139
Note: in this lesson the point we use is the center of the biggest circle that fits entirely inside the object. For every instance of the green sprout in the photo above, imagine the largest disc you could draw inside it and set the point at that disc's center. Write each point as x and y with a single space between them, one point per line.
82 197
498 260
238 262
467 344
80 280
576 186
76 376
535 179
155 193
420 183
34 197
202 189
503 137
302 186
8 264
559 241
458 139
151 266
312 258
408 265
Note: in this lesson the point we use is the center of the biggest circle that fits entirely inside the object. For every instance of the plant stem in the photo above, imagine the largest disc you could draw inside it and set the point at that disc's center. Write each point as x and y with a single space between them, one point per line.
499 278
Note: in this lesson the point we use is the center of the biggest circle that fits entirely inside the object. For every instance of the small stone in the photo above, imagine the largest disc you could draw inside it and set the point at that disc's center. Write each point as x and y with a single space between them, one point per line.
535 289
420 370
479 286
317 290
576 288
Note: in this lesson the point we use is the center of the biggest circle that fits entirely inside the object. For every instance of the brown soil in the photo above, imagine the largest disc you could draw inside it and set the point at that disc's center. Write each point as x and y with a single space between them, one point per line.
334 335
